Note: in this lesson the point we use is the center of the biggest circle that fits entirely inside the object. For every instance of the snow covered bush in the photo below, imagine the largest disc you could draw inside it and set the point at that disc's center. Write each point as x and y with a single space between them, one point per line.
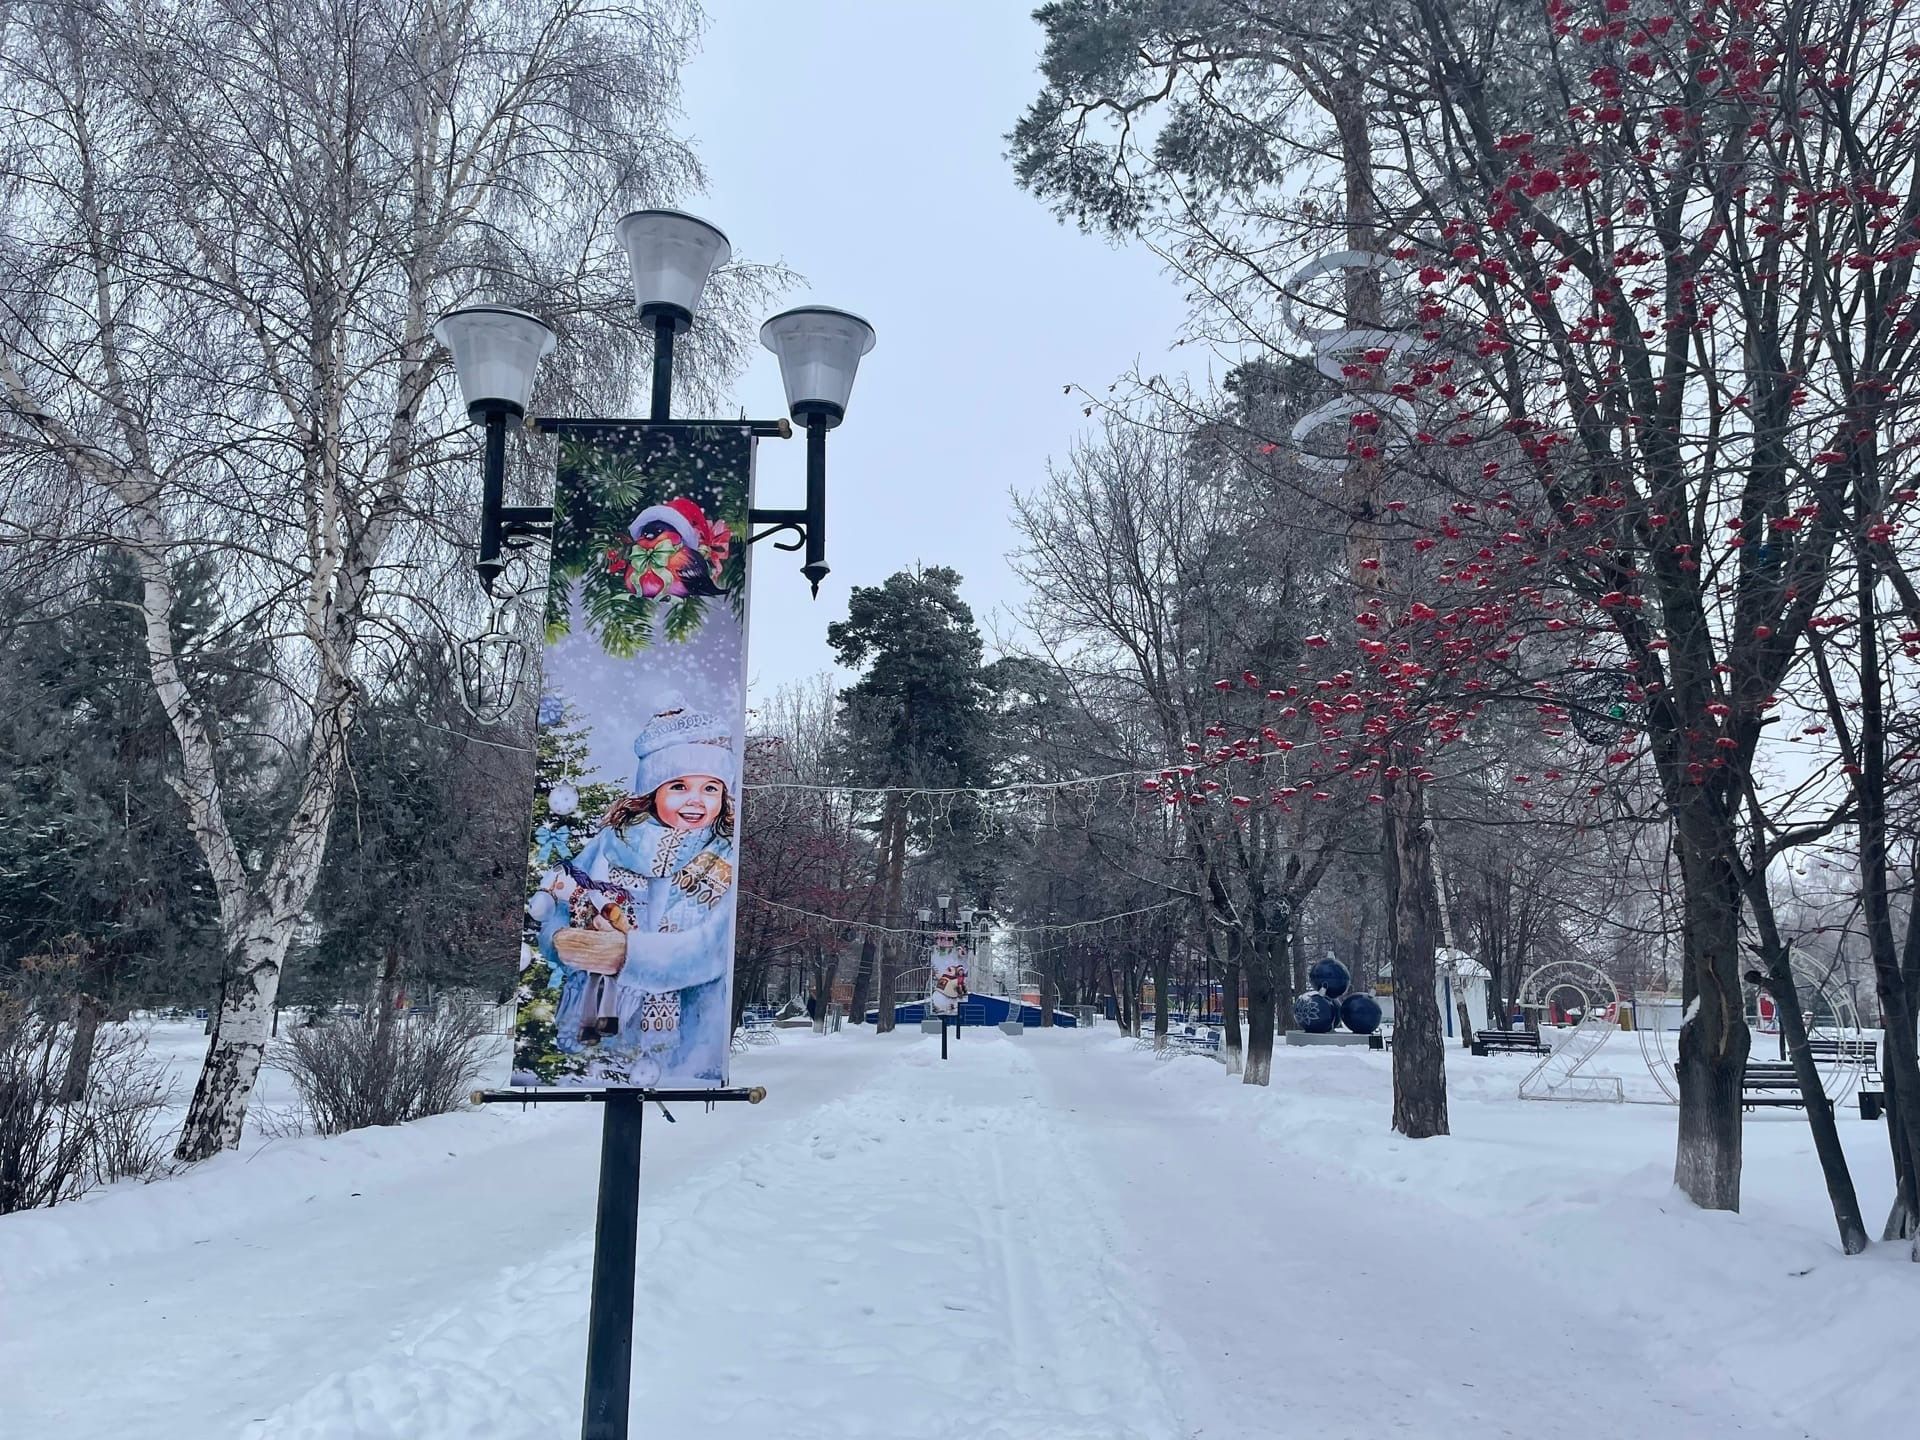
354 1070
53 1150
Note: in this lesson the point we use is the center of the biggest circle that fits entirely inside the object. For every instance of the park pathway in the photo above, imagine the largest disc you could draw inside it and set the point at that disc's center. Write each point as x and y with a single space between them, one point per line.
1034 1240
912 1259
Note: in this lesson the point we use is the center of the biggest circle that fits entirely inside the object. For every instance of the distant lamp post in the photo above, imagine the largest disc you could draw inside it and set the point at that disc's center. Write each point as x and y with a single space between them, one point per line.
671 256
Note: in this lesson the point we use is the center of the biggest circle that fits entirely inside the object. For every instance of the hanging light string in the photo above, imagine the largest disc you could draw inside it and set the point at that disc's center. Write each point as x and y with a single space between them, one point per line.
1012 787
1185 767
875 928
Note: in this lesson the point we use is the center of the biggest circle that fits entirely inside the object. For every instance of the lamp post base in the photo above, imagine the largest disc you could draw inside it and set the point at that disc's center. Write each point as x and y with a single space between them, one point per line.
616 1233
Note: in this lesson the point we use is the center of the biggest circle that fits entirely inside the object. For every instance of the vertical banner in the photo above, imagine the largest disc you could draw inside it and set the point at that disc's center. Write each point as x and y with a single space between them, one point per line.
627 961
947 980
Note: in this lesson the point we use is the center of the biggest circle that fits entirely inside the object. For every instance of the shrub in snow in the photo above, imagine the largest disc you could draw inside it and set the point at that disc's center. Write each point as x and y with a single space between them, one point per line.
51 1149
355 1070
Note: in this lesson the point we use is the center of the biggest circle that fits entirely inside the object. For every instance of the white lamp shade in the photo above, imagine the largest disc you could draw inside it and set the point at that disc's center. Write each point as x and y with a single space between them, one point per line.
496 351
819 351
672 255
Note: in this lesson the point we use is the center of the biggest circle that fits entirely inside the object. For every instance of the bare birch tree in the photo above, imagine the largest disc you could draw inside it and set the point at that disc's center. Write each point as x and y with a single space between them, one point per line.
230 229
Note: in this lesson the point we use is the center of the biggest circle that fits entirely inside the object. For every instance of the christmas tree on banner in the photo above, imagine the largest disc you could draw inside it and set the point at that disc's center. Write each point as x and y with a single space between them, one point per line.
566 814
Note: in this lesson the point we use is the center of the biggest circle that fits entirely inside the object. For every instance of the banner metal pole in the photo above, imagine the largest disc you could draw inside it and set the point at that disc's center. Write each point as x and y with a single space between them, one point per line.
615 1250
616 1237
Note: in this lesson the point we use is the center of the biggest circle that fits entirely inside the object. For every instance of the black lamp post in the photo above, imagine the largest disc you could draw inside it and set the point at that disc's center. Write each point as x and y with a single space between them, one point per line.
819 350
672 255
496 351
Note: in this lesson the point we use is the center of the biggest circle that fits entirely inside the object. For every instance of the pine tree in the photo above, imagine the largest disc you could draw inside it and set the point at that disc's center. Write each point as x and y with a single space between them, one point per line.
921 717
96 860
423 870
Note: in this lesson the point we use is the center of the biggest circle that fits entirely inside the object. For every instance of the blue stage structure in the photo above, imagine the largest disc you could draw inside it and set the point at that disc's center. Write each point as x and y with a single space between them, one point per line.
978 1010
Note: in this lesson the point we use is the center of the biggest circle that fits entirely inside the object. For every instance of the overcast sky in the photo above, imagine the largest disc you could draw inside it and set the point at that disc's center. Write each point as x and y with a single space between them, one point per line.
860 142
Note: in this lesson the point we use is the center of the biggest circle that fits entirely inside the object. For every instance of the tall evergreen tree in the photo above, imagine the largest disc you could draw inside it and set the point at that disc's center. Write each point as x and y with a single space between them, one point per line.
97 860
422 882
919 718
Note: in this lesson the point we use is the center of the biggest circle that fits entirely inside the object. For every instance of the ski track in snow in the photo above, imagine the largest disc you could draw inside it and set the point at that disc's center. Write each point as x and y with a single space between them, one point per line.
887 1269
1044 1238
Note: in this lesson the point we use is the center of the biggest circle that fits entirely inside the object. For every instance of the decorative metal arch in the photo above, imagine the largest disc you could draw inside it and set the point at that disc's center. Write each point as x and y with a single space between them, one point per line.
1830 1014
1558 1075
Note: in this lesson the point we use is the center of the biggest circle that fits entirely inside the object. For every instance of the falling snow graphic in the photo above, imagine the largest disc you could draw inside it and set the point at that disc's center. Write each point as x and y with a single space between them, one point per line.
646 616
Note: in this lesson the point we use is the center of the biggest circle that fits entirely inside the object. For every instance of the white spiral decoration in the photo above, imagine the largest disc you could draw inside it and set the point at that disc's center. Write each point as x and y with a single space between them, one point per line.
1337 346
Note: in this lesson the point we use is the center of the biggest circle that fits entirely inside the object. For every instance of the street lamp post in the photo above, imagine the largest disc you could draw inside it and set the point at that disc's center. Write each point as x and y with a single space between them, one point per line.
496 352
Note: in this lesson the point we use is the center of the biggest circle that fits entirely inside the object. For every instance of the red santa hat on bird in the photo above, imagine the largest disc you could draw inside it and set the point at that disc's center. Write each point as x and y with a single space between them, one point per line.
682 516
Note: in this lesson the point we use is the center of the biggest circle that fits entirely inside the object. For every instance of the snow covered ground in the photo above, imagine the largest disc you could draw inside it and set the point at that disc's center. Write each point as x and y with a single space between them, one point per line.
1045 1238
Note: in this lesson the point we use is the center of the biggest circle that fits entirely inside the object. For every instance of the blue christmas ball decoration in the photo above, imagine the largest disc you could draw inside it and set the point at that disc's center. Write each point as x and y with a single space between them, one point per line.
1315 1013
1330 977
1360 1013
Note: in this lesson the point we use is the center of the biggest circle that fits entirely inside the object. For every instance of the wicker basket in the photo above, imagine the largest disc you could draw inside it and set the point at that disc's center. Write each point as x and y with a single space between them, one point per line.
601 951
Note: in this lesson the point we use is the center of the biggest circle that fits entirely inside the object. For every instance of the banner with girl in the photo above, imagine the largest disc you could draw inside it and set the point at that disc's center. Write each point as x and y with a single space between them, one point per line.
627 960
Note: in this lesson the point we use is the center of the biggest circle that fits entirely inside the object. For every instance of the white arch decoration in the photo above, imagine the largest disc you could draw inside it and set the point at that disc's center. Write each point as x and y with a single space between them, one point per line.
1831 1015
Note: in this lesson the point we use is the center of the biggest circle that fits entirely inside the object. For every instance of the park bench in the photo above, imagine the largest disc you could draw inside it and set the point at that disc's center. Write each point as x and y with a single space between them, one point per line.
1835 1052
756 1028
1864 1050
1189 1040
1485 1042
1860 1050
1772 1084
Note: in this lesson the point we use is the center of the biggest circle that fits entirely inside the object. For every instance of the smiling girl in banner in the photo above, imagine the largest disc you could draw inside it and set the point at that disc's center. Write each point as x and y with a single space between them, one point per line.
636 925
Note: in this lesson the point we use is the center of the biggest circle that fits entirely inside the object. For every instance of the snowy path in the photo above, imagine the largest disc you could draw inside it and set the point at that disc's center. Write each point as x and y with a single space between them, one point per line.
898 1261
1049 1238
1346 1311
